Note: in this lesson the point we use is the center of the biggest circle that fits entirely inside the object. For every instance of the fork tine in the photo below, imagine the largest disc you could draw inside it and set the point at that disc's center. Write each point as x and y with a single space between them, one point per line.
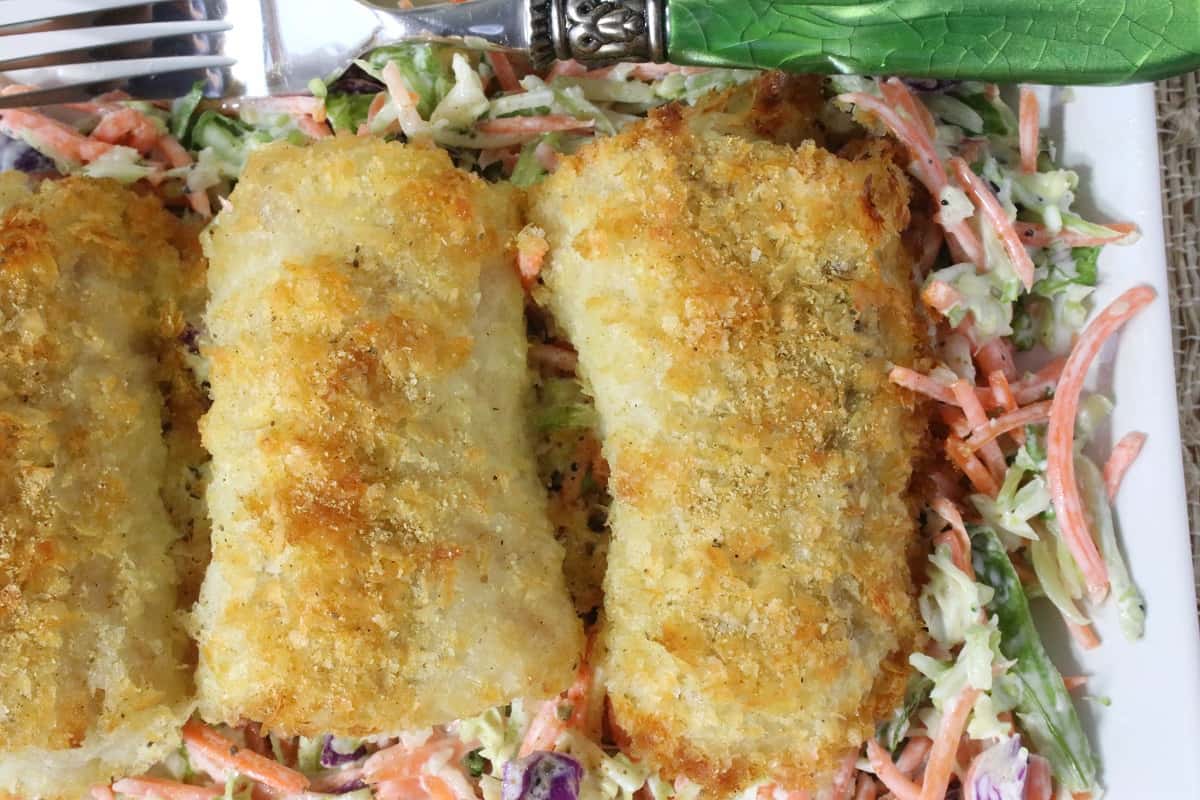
78 75
24 46
14 12
49 97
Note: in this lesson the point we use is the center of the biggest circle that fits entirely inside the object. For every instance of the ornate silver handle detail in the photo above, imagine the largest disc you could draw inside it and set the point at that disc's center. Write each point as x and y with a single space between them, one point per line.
599 31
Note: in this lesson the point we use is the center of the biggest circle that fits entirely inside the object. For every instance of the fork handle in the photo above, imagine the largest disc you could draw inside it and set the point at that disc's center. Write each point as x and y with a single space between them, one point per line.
1038 41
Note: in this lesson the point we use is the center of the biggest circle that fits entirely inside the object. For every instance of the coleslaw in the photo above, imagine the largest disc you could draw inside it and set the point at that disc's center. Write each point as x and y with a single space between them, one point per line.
1016 511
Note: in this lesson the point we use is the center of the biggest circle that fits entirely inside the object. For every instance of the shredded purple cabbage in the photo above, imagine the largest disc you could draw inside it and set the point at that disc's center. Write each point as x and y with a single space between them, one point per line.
542 776
332 757
356 81
16 154
1000 771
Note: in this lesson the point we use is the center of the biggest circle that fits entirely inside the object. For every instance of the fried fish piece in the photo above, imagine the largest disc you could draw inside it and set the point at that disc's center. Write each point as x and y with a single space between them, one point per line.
735 306
382 558
95 678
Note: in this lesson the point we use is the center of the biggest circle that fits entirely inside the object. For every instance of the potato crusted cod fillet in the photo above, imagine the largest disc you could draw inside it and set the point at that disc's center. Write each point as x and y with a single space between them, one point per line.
382 558
94 679
775 106
735 306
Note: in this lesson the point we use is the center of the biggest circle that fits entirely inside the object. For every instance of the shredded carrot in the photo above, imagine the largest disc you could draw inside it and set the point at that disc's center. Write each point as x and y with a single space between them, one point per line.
1073 682
544 729
945 745
947 510
910 133
972 148
225 753
977 418
377 104
897 93
506 76
996 355
405 101
127 126
921 384
866 787
331 781
164 789
964 458
1032 414
1041 384
312 128
889 774
1060 446
1006 401
928 167
436 788
401 761
178 156
546 123
1037 235
547 725
399 789
1028 130
913 755
62 141
956 537
941 296
955 420
1004 398
1123 455
958 554
252 731
1038 785
986 202
569 68
532 248
1083 635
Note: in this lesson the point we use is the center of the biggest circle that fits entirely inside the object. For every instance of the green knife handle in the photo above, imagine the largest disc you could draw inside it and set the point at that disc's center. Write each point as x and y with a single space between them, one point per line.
1039 41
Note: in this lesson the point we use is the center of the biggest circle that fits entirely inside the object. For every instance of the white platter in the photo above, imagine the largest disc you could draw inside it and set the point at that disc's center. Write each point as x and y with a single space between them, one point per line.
1149 737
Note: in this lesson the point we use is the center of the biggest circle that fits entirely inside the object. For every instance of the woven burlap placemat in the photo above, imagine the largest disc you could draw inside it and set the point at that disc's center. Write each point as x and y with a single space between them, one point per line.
1179 138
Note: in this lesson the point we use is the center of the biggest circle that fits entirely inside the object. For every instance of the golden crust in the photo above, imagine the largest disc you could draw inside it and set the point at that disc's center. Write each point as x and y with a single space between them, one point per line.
94 679
735 306
382 558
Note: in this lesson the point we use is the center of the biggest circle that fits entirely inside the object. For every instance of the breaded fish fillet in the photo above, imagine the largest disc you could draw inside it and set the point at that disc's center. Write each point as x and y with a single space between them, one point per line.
382 558
735 306
94 672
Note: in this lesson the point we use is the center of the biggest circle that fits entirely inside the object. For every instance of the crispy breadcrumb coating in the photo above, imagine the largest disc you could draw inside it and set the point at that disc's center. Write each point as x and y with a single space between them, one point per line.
95 678
382 558
735 306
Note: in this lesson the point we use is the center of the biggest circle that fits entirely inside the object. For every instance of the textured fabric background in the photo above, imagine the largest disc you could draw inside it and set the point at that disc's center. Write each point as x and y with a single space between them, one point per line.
1179 138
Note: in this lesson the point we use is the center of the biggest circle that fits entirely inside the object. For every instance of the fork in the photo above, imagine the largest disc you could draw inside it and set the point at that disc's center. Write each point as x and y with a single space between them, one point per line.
74 49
